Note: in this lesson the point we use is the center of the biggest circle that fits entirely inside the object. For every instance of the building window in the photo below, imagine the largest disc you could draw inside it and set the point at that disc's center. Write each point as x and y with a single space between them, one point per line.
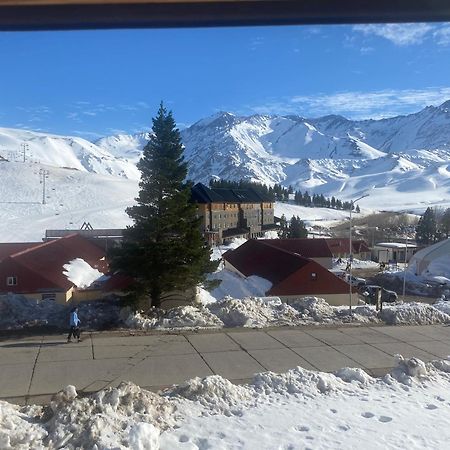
313 276
11 281
51 296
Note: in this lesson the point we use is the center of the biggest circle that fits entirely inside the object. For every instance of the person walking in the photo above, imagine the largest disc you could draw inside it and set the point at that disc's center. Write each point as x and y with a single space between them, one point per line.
74 326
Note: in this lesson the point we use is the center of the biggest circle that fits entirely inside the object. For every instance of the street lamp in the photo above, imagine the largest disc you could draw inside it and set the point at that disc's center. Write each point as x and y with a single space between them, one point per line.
352 202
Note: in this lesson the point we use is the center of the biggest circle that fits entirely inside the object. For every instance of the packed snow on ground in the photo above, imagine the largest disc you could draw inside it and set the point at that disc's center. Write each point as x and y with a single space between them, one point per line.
80 273
356 264
293 410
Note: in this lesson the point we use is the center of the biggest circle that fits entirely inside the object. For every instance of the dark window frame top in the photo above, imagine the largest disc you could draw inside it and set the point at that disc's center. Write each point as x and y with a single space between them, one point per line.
97 14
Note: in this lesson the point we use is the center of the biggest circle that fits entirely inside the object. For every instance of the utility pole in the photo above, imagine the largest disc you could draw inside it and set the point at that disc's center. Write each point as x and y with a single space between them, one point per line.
404 268
43 173
25 148
350 252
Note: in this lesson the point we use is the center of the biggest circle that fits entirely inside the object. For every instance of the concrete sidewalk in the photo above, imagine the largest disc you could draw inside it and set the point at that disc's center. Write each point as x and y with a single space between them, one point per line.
33 369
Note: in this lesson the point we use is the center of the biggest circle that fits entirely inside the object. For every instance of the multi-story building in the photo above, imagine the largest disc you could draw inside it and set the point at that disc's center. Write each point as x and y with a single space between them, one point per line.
227 213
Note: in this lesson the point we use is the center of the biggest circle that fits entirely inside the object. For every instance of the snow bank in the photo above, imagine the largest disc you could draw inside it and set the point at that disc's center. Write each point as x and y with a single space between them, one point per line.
254 312
80 273
181 317
413 314
285 410
18 312
122 417
271 311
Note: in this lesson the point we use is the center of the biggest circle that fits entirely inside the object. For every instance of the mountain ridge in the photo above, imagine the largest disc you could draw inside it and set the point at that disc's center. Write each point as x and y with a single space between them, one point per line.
329 155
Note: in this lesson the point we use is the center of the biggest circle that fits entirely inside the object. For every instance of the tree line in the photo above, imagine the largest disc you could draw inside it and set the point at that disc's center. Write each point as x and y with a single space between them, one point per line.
282 194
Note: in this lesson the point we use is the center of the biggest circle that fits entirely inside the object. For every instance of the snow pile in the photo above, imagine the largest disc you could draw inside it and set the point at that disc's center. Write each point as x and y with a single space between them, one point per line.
254 312
20 427
181 317
233 285
316 308
285 410
80 273
407 370
413 314
17 311
442 306
122 417
271 311
214 393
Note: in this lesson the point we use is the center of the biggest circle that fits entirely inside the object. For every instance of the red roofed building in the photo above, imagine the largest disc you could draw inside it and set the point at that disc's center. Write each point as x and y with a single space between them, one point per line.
340 248
315 249
292 276
37 271
9 248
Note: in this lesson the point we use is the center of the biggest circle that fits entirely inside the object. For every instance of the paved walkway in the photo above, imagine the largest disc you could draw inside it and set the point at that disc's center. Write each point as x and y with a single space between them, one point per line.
33 369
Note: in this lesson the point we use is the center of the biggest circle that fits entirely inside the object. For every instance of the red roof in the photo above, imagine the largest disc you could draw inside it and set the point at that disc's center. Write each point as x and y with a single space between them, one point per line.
339 246
9 248
289 273
308 248
259 257
41 267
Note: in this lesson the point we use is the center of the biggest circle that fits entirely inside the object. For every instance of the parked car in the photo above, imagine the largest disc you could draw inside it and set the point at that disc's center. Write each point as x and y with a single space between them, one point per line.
356 281
370 292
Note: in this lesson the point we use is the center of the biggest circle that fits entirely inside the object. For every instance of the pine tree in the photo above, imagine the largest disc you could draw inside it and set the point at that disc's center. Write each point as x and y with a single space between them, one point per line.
283 231
297 228
163 250
445 222
426 229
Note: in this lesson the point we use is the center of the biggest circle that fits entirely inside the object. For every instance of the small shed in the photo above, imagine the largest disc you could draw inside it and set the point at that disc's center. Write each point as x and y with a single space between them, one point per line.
393 252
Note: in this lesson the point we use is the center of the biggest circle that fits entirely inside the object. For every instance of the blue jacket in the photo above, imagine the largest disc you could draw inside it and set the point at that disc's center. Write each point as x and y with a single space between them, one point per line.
74 320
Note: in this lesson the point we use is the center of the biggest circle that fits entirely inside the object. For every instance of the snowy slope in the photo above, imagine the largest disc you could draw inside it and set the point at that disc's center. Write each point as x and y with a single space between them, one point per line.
61 151
72 197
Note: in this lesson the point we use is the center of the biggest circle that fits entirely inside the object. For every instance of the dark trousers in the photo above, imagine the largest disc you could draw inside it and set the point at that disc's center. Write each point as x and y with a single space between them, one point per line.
75 332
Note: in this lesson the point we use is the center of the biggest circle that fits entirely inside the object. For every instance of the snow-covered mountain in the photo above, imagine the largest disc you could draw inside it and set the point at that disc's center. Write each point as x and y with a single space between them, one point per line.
287 149
62 151
402 162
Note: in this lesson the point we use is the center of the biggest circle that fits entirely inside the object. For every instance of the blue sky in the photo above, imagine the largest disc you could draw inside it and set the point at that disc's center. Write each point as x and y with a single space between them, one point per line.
97 83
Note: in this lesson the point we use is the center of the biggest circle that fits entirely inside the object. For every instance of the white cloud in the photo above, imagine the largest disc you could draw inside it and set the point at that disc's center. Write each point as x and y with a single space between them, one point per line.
408 33
442 35
354 104
399 34
383 103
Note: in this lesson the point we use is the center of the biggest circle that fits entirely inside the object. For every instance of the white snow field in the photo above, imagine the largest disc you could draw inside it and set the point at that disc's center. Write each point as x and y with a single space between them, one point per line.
72 197
408 408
